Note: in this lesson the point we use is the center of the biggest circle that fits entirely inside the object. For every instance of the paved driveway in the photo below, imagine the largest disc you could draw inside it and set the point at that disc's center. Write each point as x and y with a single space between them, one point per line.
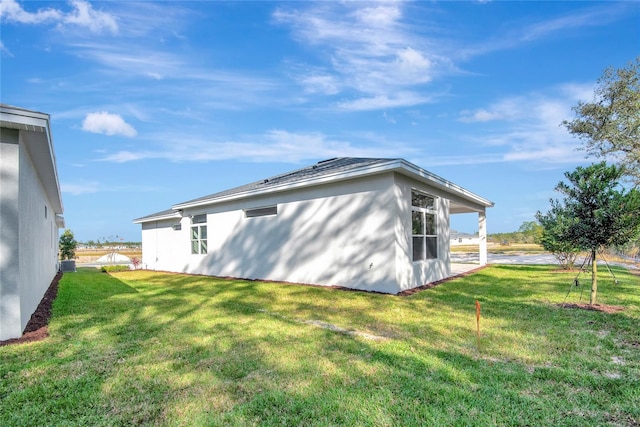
505 258
470 258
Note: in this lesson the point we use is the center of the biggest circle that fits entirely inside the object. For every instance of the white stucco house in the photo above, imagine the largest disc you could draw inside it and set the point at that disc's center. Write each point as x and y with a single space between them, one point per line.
371 224
30 215
458 238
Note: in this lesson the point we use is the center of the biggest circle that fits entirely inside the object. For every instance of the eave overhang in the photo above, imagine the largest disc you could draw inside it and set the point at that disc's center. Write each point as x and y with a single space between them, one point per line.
160 216
35 133
396 165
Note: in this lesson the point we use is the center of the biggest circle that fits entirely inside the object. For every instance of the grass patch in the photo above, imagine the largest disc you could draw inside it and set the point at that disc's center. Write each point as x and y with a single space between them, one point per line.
494 248
114 268
142 347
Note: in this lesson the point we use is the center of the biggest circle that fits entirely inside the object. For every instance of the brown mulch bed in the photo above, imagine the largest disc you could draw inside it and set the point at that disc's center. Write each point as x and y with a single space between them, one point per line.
609 309
37 328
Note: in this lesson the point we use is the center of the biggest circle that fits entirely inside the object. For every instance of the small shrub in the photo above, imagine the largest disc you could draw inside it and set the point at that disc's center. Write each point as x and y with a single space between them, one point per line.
136 263
114 268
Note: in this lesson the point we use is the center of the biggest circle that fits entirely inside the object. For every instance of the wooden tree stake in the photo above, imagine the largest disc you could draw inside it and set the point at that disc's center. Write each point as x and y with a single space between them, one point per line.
478 322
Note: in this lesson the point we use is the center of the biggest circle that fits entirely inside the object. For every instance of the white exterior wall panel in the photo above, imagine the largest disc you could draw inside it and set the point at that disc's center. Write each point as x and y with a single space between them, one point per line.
30 212
412 274
340 234
10 323
164 248
38 247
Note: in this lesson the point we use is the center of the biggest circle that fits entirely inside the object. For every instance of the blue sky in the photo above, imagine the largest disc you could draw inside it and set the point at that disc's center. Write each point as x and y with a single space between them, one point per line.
156 103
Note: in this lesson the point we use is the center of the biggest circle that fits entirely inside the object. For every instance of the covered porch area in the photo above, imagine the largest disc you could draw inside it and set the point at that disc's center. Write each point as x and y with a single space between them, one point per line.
458 207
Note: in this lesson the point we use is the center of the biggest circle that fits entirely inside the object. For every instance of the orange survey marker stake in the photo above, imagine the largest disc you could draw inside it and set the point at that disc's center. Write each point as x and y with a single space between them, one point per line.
478 322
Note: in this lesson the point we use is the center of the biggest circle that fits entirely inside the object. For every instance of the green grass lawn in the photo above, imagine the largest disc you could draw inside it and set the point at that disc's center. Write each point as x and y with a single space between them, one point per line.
163 349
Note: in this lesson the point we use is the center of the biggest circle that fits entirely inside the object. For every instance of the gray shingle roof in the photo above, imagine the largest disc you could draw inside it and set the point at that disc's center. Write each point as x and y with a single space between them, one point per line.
320 169
165 213
323 171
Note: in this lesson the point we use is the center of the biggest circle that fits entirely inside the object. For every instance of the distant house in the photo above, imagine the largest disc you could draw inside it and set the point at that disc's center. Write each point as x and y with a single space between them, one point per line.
371 224
458 238
30 215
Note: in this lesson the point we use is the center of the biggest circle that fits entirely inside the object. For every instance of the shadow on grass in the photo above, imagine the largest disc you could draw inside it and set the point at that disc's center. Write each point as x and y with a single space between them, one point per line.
149 348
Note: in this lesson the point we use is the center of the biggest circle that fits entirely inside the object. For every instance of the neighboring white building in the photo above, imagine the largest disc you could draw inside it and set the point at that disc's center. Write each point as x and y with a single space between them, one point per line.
458 238
371 224
30 215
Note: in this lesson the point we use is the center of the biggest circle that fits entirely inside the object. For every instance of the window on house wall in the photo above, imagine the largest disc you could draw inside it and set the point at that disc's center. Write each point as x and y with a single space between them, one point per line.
199 234
424 226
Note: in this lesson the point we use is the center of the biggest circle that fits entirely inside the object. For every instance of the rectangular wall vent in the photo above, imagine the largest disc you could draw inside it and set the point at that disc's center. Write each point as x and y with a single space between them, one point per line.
266 211
199 219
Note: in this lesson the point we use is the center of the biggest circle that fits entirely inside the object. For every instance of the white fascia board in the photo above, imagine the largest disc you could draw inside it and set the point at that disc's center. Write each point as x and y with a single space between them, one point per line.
308 182
396 165
18 118
37 127
152 218
448 186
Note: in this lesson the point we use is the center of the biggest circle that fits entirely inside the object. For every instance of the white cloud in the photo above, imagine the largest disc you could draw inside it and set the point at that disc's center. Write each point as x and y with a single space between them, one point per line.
370 53
320 83
92 187
403 99
596 16
480 115
191 82
3 49
529 126
273 146
379 16
80 188
108 124
12 11
553 107
82 15
465 159
525 33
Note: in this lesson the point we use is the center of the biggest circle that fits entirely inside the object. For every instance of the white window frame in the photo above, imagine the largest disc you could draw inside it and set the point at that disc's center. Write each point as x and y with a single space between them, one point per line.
426 252
198 235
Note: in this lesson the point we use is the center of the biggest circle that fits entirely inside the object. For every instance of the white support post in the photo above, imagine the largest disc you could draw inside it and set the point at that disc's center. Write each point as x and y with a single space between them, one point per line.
482 233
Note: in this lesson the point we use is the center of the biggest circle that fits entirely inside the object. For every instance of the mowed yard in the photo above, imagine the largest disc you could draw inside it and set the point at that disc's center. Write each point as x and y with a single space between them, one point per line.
166 349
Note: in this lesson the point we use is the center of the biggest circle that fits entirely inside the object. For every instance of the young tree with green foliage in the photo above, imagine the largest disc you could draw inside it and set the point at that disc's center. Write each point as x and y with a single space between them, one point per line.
555 237
596 212
67 245
610 125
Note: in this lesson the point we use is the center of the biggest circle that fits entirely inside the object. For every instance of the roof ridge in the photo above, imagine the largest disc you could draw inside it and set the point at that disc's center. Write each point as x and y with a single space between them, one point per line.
317 169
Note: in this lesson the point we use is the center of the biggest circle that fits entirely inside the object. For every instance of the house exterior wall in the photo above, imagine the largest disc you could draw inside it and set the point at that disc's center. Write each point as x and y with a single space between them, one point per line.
354 233
412 274
10 322
28 248
38 243
164 248
339 234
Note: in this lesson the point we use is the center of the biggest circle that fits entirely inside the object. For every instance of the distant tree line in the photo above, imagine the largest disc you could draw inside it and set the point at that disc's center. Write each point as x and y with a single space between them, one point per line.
110 243
529 232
